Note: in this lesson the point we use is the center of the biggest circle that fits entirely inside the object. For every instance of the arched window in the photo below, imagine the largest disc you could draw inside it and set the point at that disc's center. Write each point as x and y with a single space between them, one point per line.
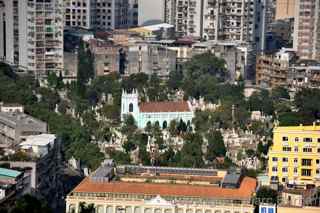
131 107
164 125
157 124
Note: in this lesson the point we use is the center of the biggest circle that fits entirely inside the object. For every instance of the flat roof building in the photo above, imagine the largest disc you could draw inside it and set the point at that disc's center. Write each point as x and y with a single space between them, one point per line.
14 127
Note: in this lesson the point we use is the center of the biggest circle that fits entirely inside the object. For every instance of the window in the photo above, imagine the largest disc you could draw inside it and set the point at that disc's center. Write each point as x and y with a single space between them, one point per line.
318 140
306 172
131 107
307 149
296 149
317 161
317 171
285 138
286 149
296 139
306 162
295 170
284 159
295 160
318 150
284 169
274 159
307 140
274 169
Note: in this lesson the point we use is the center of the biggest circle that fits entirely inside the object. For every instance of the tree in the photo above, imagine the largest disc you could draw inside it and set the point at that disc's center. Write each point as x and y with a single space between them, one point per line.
87 208
216 147
250 153
120 157
144 156
279 93
129 125
261 101
85 68
266 195
191 152
30 204
307 101
173 128
175 79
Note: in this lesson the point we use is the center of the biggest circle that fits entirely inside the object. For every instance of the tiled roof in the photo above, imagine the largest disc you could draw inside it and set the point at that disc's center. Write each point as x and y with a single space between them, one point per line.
245 191
181 106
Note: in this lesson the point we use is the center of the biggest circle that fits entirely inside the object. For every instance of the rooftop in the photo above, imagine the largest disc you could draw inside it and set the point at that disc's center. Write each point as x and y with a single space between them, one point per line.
244 192
9 173
181 106
30 123
38 140
301 127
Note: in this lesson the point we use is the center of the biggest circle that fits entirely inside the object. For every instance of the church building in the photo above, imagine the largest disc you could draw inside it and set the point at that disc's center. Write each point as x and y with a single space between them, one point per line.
161 113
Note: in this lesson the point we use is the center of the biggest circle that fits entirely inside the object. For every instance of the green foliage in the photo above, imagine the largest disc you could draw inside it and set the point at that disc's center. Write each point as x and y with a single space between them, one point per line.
307 101
120 157
216 147
14 89
76 139
266 195
129 126
280 93
85 68
261 101
175 79
30 204
191 152
86 208
250 172
144 156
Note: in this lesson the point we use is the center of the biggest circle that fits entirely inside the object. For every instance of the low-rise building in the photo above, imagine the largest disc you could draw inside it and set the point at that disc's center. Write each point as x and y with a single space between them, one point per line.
159 113
38 145
14 127
142 189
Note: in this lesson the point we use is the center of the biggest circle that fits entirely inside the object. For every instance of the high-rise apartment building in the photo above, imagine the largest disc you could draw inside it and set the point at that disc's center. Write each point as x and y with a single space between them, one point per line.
306 39
31 35
219 20
285 9
294 157
97 14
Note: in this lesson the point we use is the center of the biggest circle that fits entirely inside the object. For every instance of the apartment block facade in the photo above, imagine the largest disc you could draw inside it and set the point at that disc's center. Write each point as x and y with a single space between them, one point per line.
307 29
31 35
219 20
97 14
285 9
294 157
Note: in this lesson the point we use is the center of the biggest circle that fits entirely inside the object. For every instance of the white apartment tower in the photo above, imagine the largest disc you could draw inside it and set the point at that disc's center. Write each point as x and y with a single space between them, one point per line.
234 20
31 35
97 14
220 20
307 29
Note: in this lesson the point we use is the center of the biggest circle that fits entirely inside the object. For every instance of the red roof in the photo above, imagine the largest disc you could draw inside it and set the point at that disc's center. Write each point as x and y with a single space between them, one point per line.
181 106
247 188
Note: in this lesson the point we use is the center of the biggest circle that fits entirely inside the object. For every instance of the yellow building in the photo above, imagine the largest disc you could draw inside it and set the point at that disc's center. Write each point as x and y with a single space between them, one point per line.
294 157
